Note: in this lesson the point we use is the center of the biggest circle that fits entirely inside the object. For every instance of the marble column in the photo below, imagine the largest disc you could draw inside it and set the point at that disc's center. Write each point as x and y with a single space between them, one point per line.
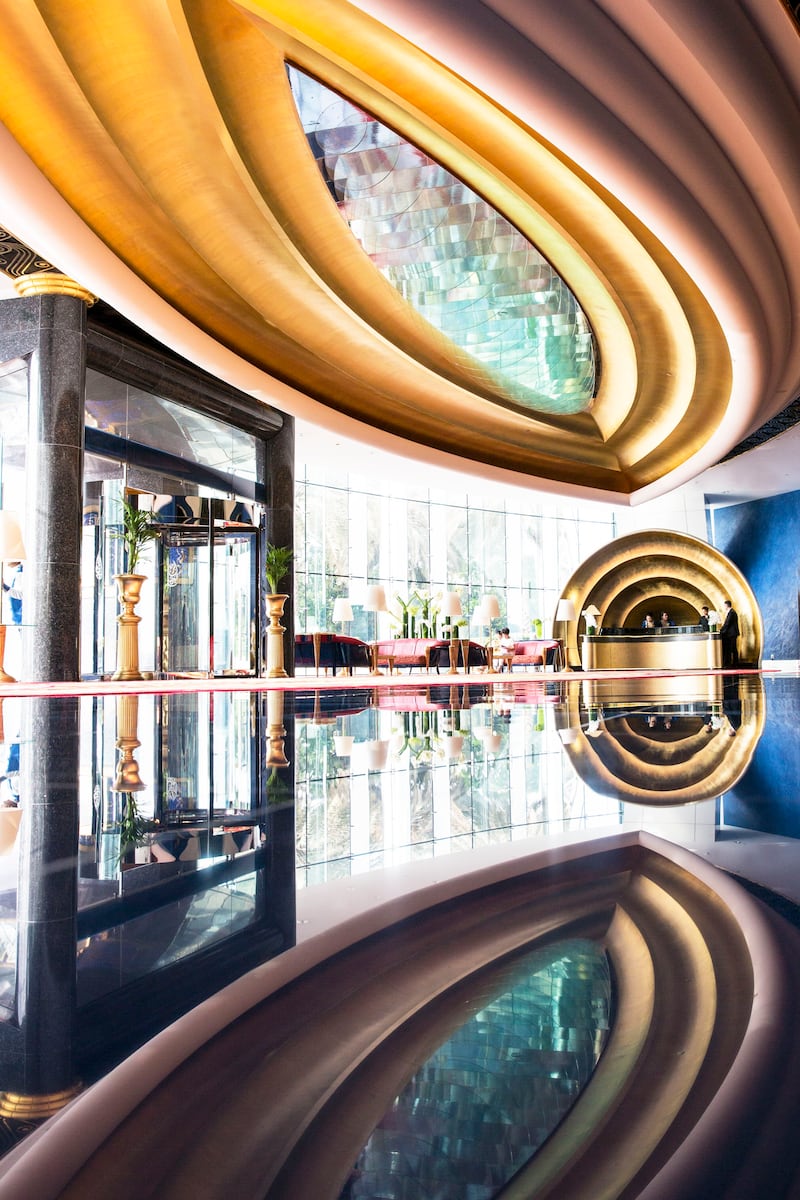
40 1077
54 472
279 526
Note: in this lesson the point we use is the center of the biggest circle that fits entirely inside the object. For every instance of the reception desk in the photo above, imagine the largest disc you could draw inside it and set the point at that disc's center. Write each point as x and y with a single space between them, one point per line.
665 650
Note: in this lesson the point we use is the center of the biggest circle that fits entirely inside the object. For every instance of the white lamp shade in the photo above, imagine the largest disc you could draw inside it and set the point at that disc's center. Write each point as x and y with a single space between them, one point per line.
590 614
342 745
12 547
565 610
451 605
342 609
490 608
375 598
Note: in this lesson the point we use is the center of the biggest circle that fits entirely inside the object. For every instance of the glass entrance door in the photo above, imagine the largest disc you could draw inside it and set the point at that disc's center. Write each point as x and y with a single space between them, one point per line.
209 601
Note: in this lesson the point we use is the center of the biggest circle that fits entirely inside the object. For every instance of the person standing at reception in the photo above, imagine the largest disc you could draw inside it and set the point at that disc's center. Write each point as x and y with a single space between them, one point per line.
729 636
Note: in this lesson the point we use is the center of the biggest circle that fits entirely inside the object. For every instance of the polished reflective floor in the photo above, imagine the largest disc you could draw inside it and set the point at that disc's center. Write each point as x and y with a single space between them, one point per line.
155 847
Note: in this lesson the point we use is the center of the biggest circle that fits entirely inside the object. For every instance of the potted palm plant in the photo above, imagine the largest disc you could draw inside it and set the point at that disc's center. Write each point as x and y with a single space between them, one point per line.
277 561
138 528
276 566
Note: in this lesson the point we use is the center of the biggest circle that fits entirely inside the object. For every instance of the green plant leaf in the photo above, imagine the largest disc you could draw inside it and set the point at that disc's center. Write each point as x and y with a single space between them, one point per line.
277 561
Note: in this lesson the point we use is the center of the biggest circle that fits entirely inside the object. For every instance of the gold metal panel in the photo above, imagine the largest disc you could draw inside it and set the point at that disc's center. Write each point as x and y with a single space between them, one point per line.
651 767
663 652
656 562
188 160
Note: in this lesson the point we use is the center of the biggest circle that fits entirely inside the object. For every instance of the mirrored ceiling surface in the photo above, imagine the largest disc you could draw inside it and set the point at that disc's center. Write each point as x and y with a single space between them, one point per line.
456 260
150 420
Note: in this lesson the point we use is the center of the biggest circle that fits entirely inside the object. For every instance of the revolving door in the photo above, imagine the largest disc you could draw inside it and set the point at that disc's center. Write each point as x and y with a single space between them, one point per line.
208 601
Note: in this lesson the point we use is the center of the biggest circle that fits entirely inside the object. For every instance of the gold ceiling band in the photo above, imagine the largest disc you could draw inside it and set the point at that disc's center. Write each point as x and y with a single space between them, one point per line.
177 159
580 224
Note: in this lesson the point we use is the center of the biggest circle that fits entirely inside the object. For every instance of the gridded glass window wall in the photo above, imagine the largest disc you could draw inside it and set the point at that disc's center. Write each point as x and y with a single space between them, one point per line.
520 548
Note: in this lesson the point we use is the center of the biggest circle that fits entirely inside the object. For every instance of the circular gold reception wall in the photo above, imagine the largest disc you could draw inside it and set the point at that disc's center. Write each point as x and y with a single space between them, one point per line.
659 568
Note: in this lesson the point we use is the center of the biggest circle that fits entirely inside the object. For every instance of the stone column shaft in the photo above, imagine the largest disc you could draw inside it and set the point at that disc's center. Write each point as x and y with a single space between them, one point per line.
55 490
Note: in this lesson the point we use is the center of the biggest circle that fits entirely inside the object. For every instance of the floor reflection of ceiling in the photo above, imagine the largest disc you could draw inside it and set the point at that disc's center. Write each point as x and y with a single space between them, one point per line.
603 143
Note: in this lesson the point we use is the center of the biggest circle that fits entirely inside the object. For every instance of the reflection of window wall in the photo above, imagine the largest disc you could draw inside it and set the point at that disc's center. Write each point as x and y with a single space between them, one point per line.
412 785
520 546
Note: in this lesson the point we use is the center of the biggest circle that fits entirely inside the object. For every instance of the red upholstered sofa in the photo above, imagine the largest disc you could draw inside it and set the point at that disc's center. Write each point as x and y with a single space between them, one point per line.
430 653
321 651
406 652
536 653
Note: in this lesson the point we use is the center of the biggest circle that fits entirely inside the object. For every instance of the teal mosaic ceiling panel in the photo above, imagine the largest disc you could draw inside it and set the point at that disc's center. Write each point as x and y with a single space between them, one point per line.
459 263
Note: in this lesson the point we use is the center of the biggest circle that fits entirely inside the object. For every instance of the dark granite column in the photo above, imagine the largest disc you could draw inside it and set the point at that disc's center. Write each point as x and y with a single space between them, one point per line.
38 1077
280 525
54 471
279 879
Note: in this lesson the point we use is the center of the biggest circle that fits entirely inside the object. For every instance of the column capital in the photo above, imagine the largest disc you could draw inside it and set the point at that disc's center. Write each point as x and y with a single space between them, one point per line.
51 283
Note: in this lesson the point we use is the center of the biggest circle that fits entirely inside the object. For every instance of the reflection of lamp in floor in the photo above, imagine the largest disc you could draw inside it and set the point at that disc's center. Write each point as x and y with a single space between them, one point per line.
451 607
452 744
12 549
377 754
342 745
594 726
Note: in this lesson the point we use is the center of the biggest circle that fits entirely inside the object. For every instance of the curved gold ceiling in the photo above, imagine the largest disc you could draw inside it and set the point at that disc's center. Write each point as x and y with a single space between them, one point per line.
170 130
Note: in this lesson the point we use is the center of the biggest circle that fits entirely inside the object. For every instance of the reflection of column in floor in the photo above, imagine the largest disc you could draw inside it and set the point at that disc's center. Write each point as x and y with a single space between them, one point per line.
36 1050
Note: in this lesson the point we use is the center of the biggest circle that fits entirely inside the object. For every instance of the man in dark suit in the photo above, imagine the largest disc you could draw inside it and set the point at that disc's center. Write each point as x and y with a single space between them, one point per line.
729 636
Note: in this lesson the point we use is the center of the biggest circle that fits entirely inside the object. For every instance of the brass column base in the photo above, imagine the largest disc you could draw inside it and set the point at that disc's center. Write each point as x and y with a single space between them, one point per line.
35 1108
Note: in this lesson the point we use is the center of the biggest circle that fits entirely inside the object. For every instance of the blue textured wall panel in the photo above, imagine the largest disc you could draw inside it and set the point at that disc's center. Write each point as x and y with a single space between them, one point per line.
763 539
767 797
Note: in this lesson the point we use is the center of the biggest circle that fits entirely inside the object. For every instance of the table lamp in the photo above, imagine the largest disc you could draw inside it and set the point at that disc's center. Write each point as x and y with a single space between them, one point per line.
565 613
342 610
590 615
375 601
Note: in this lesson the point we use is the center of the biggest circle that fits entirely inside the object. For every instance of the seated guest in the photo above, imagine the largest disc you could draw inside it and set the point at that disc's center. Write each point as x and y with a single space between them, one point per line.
648 622
505 651
665 620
